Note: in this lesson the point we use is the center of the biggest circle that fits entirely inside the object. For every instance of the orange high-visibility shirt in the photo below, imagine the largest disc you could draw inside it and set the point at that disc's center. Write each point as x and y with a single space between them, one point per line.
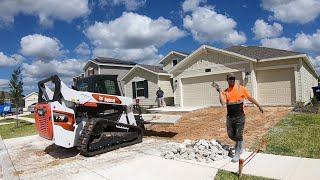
236 94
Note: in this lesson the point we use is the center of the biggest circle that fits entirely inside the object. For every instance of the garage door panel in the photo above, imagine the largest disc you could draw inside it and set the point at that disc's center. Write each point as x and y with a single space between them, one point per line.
198 91
276 86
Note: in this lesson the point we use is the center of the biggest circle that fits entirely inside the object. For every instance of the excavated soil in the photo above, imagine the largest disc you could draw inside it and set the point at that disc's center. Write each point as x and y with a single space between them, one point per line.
210 123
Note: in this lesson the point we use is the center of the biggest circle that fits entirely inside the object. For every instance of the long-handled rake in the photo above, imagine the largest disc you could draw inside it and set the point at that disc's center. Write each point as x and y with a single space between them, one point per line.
243 162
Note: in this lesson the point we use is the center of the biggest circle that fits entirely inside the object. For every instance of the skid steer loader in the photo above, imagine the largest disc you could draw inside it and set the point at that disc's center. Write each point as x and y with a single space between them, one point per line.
93 122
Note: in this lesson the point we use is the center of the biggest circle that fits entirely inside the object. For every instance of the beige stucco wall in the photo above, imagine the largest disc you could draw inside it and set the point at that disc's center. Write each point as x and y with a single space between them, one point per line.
30 100
308 81
91 65
218 63
167 64
165 84
140 75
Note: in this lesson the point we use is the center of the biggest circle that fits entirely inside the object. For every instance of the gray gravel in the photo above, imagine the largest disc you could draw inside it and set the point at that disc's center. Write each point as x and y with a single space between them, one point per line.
199 150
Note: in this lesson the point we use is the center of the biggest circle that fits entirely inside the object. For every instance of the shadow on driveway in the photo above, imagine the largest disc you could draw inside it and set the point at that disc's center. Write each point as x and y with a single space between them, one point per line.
59 152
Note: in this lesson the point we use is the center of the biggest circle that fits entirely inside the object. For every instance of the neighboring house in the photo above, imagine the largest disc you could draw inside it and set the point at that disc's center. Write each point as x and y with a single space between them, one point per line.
274 77
109 66
6 96
30 99
143 81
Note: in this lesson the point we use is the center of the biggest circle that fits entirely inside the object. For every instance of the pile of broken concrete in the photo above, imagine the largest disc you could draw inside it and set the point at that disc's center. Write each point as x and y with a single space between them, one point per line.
199 150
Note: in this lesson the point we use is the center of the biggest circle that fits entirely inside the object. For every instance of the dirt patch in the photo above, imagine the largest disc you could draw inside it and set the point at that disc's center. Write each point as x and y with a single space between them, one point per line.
210 123
17 173
40 153
54 163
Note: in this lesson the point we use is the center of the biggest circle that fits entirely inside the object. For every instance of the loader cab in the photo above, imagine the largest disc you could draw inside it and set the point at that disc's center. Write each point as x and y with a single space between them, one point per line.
104 84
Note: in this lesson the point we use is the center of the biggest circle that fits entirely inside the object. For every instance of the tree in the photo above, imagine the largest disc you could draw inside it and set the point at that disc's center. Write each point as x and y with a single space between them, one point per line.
16 90
2 97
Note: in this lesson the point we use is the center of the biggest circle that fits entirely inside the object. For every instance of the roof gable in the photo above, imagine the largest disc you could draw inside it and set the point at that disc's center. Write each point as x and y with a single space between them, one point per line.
177 53
156 70
33 93
205 48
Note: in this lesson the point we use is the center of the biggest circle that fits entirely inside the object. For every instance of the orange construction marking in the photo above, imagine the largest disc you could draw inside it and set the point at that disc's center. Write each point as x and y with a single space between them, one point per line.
243 162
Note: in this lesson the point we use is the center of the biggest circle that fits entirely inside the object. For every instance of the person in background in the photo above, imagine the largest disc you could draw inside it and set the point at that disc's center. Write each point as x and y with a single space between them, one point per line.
234 97
160 98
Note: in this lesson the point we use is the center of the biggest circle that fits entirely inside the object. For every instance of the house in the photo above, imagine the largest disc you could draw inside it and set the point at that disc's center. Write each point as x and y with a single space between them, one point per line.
274 77
143 81
5 96
30 99
105 65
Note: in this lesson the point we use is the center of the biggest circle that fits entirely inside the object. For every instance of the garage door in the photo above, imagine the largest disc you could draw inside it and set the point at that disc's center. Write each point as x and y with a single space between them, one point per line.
276 86
197 91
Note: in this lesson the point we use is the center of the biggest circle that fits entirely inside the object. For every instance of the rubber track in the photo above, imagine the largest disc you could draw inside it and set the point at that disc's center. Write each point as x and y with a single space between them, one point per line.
83 144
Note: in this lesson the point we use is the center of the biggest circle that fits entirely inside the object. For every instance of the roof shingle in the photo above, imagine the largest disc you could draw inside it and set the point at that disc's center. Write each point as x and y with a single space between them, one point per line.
113 61
258 52
156 69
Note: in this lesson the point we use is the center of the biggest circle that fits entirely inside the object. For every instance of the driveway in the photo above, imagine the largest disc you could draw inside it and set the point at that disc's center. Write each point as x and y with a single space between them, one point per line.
36 158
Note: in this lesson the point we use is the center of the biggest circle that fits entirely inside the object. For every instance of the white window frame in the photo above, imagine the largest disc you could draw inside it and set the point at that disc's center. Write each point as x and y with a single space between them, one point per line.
175 59
136 82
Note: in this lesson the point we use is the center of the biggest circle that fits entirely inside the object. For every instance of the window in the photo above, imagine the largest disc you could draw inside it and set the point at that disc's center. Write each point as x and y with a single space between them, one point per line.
140 89
106 87
174 62
110 87
90 72
207 70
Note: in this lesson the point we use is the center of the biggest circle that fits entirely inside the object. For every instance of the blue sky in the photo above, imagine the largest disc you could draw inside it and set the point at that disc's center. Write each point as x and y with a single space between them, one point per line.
57 37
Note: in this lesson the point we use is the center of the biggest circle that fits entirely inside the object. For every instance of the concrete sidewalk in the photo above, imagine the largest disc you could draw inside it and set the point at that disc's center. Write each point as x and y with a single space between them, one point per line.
278 167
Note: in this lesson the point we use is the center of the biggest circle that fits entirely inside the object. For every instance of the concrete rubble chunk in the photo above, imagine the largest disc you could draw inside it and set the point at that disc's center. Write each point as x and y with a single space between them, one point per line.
200 150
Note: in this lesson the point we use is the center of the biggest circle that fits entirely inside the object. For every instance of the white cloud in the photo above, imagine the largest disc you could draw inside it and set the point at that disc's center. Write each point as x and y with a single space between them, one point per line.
206 25
190 5
148 55
278 43
131 34
262 29
4 83
289 11
13 60
307 42
46 10
83 49
130 5
40 46
316 62
38 70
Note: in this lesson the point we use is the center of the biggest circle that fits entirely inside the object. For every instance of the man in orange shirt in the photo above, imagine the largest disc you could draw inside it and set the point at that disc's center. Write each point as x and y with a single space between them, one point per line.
234 97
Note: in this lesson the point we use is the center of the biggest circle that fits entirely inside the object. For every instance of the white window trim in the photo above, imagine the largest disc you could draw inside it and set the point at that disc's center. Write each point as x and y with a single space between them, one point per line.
172 62
139 97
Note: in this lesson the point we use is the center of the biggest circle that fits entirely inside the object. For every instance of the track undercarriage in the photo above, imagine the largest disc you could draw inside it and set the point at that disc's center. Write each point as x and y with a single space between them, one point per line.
102 135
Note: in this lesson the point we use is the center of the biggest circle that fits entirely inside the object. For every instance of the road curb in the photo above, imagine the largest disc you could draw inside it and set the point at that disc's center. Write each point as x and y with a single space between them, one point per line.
8 170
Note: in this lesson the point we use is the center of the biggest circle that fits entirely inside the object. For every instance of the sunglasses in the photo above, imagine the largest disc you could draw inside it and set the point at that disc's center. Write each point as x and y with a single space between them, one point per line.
232 78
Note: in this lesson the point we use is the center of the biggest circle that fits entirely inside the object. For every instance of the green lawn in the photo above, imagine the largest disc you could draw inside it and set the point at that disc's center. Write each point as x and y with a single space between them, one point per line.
296 135
10 131
225 175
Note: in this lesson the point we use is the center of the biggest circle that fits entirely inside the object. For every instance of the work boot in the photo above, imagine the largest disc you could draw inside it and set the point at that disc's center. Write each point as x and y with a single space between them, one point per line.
236 157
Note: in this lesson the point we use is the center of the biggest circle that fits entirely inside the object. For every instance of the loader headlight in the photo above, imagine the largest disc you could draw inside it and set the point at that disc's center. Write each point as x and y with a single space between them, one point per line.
41 112
58 117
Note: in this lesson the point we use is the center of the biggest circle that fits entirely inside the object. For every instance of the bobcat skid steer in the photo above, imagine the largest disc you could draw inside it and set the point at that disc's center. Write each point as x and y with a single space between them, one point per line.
94 122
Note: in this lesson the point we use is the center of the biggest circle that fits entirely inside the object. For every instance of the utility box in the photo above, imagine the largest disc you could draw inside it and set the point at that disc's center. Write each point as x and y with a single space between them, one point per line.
316 92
